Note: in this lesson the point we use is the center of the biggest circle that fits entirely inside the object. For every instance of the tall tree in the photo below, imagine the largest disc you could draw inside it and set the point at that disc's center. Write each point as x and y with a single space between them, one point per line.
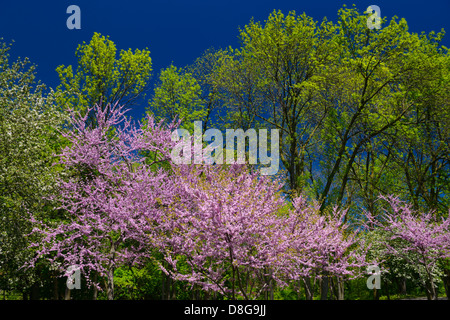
379 73
411 158
102 78
274 80
178 96
190 93
108 197
423 154
29 120
335 92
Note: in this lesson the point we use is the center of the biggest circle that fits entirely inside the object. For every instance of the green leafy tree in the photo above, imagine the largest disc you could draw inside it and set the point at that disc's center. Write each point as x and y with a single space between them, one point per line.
274 80
338 93
423 152
178 96
205 70
103 78
379 73
29 120
408 157
190 93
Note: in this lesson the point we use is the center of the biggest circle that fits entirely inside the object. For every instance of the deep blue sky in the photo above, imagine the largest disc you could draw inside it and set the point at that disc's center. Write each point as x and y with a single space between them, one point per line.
174 31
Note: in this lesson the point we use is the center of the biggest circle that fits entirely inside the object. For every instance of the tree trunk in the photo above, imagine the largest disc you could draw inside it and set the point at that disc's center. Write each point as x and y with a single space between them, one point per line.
446 282
308 288
110 272
55 286
430 290
163 287
376 294
110 284
402 286
324 288
339 288
95 294
168 290
271 290
35 292
173 294
429 286
271 284
67 294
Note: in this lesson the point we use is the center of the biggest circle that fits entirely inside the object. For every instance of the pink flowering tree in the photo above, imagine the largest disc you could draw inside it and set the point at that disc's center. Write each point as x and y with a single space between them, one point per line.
226 231
109 197
323 247
420 239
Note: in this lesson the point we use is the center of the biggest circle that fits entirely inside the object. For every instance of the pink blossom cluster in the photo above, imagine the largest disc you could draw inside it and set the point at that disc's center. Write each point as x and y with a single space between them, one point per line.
229 234
108 196
419 238
419 232
322 245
